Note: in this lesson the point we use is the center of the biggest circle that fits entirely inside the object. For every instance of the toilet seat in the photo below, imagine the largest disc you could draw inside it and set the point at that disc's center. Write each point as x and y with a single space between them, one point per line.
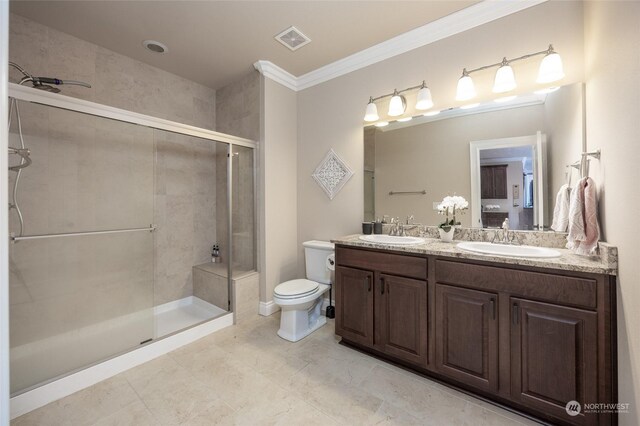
296 289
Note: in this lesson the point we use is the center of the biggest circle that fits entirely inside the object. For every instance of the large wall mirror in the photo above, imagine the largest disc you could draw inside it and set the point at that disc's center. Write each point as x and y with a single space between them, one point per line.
508 159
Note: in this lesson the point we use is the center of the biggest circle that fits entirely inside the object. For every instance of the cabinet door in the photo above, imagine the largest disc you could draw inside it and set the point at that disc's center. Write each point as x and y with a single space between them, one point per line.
500 182
354 305
553 358
486 182
401 318
467 336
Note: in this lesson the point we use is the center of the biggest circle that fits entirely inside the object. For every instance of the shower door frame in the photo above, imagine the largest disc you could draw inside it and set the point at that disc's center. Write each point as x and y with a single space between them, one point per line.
32 95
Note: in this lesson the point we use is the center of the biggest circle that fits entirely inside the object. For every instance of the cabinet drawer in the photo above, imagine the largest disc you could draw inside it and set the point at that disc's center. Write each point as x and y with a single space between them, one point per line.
560 289
387 263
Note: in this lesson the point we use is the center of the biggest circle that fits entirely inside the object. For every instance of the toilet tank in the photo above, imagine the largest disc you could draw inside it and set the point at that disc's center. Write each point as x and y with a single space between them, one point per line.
315 257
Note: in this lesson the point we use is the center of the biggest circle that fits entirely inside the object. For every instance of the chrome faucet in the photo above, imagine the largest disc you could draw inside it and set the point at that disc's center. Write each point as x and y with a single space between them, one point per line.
505 233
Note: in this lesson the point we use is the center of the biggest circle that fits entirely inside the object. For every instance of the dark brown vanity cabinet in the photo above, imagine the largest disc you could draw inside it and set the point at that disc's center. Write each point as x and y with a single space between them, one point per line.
554 357
401 311
383 305
528 338
467 336
354 316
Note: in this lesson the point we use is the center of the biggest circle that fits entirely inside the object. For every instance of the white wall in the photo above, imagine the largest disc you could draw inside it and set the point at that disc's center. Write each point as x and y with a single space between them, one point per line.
277 217
330 114
612 53
4 219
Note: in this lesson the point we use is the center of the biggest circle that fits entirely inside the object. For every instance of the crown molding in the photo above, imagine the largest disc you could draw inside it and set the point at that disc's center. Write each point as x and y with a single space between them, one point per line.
463 20
277 74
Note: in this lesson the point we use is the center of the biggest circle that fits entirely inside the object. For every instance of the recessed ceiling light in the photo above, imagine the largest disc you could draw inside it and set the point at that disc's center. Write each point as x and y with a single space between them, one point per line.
382 123
469 106
402 120
155 46
431 113
293 38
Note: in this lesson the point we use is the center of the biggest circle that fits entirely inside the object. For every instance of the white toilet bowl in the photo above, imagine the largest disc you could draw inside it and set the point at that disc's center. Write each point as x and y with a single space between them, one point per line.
301 300
301 305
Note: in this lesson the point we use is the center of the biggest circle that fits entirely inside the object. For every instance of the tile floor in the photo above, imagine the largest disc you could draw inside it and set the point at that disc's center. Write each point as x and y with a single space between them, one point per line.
247 375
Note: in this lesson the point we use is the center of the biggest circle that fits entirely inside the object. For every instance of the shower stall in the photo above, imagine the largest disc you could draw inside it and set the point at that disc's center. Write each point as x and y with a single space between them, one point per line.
112 226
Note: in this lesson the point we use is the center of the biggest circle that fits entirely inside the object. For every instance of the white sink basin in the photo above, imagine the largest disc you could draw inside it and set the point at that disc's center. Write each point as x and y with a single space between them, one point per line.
391 240
508 250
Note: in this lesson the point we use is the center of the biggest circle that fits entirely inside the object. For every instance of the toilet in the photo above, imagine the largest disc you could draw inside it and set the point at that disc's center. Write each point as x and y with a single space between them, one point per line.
301 300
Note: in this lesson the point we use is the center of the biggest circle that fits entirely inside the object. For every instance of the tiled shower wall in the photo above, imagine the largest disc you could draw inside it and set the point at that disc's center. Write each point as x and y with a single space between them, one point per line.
185 187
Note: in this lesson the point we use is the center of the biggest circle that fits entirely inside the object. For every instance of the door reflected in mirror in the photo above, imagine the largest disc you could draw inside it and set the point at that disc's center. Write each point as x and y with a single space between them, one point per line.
508 159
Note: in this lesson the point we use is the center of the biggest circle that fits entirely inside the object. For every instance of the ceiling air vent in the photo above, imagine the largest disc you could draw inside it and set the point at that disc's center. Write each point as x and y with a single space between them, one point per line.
293 38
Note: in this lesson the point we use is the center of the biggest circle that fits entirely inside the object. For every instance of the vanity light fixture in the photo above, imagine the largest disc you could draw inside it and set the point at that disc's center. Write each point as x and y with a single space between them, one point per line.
372 111
398 103
505 80
466 89
424 98
550 70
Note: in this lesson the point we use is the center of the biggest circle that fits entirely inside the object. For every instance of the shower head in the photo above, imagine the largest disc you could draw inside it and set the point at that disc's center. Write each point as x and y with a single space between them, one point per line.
46 83
45 87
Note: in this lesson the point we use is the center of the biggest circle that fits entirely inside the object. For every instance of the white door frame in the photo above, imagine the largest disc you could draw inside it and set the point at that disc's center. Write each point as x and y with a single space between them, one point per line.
4 215
538 143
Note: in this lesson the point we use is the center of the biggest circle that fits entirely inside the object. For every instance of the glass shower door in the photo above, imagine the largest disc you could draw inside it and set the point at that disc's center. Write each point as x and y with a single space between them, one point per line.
81 271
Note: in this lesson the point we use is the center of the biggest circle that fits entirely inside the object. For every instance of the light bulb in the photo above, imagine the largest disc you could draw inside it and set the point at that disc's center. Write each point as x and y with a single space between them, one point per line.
550 68
402 120
431 113
424 100
397 105
371 113
505 79
466 90
381 124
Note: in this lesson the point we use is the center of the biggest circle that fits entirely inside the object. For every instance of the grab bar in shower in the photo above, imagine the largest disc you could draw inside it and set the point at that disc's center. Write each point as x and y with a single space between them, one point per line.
15 239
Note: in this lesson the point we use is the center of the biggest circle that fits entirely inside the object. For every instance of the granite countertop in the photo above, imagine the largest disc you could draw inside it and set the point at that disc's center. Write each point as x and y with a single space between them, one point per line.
605 263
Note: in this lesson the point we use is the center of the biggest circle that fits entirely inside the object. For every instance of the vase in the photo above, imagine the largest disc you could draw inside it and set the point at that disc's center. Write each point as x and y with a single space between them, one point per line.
447 237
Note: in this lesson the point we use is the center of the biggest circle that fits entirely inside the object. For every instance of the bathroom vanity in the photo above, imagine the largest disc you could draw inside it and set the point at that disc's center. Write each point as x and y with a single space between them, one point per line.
529 334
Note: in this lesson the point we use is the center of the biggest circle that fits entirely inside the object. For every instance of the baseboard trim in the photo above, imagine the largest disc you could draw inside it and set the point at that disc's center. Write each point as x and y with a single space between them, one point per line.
45 394
268 308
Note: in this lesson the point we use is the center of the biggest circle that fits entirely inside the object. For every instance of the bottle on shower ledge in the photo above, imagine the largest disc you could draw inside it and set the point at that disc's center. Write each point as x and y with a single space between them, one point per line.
215 254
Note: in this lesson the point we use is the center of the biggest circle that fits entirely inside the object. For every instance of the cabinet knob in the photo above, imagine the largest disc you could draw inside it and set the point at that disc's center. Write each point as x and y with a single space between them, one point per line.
369 283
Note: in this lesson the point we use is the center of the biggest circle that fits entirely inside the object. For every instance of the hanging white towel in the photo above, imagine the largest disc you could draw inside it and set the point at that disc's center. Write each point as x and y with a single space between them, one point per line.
561 210
584 231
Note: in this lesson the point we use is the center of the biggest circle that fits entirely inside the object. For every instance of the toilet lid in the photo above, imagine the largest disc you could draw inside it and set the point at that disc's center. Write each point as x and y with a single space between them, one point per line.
296 288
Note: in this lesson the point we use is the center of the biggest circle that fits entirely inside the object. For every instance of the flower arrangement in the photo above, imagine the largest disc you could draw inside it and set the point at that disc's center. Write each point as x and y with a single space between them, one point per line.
452 204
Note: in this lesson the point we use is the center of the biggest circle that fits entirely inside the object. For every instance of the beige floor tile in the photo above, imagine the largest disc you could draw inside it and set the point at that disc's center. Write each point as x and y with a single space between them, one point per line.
247 375
218 414
135 413
84 407
345 403
169 391
389 415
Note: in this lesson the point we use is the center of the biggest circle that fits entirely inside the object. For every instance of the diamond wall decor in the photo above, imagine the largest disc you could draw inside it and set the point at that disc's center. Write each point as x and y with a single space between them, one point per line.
331 174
